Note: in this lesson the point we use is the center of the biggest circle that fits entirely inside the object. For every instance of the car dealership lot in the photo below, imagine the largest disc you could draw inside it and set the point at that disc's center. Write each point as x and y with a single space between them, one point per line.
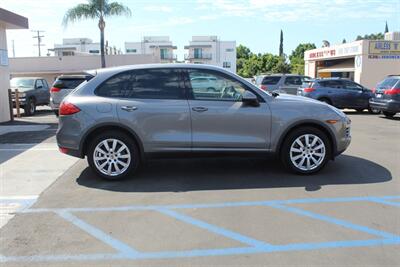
225 211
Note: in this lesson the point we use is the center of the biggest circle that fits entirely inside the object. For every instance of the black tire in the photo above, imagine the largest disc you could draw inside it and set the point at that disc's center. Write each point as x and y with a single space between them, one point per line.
373 111
389 114
290 139
125 139
325 100
360 110
30 107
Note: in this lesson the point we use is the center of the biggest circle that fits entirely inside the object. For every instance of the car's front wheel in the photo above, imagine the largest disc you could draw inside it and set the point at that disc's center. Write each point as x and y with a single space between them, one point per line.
389 114
306 150
30 107
113 155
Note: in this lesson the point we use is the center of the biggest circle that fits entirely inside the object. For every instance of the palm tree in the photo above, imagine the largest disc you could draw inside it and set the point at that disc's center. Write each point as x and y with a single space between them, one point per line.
96 9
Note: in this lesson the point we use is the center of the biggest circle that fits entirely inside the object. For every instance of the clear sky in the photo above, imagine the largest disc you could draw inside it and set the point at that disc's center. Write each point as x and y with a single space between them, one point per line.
253 23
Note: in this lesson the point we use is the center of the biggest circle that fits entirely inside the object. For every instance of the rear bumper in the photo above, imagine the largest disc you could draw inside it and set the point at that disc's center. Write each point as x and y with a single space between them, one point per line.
389 105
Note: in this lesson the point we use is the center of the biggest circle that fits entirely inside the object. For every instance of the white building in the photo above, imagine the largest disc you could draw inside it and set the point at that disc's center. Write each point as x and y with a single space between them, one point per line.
76 46
365 62
158 46
8 20
210 50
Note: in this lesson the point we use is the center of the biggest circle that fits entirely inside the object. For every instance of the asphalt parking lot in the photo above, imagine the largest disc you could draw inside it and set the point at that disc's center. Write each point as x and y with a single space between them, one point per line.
229 211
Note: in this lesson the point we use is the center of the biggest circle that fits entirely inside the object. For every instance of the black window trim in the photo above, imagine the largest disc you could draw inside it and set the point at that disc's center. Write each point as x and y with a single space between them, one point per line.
189 89
181 84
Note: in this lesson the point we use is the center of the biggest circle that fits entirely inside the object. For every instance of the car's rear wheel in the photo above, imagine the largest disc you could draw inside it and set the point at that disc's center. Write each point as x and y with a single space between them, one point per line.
306 150
389 114
30 107
113 155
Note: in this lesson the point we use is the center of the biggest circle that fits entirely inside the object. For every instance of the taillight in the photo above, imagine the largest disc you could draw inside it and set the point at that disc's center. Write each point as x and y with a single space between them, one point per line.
308 90
55 90
67 108
393 91
373 90
263 87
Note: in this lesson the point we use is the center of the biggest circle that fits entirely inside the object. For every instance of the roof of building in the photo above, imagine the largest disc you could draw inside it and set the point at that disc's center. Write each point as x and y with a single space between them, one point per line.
12 20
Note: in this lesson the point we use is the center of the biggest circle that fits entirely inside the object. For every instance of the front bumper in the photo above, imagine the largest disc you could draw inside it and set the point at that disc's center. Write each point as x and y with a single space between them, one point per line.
389 105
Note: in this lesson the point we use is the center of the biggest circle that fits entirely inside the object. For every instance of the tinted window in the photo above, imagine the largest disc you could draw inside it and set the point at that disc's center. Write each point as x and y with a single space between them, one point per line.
144 84
68 83
352 86
331 84
271 80
39 84
293 80
223 88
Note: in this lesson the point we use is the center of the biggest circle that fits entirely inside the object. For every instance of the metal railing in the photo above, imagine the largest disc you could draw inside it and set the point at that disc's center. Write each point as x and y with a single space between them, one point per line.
198 56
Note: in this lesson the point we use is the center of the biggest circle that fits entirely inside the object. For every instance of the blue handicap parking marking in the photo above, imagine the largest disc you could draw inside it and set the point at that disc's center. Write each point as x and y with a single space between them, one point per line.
250 245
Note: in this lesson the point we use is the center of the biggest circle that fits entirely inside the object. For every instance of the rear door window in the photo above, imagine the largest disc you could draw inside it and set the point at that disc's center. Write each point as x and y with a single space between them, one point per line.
144 84
271 80
293 80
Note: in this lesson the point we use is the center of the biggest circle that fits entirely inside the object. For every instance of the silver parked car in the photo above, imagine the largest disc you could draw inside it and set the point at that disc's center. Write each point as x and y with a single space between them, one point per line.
281 83
64 85
122 115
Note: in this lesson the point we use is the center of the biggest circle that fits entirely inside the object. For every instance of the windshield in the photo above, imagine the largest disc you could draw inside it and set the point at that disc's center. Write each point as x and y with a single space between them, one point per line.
22 83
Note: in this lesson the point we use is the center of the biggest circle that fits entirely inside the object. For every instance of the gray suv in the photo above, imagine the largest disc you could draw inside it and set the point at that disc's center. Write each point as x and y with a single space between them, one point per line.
124 115
281 83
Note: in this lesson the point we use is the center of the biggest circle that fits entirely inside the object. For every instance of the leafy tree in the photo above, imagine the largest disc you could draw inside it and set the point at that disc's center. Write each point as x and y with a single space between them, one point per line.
243 52
344 41
282 66
377 36
281 44
96 9
297 57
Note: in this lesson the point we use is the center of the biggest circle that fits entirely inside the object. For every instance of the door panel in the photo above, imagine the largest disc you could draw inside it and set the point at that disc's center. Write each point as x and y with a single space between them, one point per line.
221 121
226 124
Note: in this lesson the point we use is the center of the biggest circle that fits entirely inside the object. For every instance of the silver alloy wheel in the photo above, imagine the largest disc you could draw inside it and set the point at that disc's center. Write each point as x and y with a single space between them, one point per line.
112 157
307 152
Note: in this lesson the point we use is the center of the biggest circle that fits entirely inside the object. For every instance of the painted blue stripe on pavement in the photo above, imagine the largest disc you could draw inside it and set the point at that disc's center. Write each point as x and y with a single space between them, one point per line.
213 228
97 233
334 221
386 202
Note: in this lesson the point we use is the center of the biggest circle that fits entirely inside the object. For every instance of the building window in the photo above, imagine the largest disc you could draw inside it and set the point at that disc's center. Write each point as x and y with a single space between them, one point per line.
130 50
198 52
226 65
163 53
230 50
94 51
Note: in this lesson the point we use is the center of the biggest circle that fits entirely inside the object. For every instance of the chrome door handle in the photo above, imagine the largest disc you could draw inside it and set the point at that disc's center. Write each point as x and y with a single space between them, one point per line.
199 109
129 108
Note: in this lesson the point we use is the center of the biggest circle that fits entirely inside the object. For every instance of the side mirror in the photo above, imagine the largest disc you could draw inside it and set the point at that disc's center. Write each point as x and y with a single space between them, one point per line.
39 87
250 99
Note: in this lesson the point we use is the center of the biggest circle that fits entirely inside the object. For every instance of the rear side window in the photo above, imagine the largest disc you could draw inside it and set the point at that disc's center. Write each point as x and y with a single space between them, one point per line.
331 84
68 83
293 80
271 80
144 84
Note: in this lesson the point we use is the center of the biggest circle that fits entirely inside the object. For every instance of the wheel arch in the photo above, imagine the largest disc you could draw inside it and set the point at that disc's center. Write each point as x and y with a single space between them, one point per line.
85 141
315 124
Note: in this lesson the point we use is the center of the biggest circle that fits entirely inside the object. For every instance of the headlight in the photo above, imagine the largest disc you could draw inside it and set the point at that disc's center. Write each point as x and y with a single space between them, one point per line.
21 94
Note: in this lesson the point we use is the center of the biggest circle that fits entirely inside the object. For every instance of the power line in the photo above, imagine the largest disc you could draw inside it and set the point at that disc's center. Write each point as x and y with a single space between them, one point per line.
39 40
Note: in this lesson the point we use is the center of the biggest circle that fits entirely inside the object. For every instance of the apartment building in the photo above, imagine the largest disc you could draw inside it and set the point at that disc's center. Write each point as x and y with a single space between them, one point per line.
211 50
158 46
76 46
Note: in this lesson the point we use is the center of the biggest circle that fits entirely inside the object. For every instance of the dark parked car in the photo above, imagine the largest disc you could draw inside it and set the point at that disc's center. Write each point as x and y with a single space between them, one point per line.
341 93
387 96
281 83
127 113
33 91
64 85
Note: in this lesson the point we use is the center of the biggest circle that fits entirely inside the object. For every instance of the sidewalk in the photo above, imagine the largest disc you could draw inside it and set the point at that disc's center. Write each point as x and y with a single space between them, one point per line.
29 161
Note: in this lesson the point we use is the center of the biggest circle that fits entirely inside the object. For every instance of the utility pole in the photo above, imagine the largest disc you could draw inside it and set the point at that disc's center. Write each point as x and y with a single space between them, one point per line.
39 40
